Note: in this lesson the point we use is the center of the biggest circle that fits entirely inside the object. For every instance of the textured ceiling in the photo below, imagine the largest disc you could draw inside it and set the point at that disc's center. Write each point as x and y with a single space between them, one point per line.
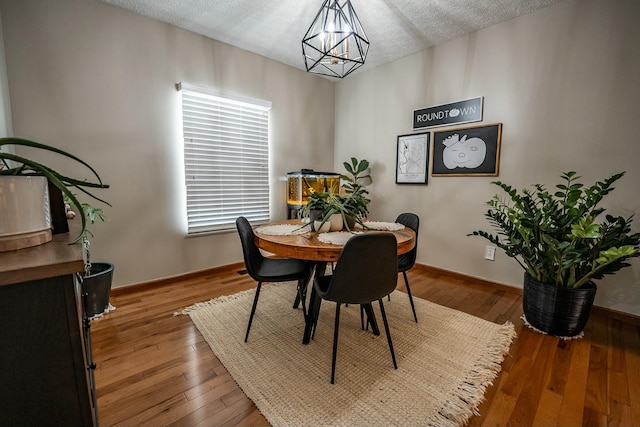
395 28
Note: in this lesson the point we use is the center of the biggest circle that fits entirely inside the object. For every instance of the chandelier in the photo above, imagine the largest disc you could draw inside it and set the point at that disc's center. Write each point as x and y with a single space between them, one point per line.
335 44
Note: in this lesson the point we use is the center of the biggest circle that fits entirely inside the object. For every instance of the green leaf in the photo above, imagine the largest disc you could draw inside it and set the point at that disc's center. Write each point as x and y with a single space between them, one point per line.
613 254
555 236
364 164
347 166
586 229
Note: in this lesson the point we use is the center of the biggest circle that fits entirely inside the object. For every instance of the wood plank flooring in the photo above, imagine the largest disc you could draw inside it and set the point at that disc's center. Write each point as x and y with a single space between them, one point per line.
155 369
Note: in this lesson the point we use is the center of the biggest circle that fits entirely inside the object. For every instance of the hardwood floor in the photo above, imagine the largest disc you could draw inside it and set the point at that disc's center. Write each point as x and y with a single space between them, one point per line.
155 369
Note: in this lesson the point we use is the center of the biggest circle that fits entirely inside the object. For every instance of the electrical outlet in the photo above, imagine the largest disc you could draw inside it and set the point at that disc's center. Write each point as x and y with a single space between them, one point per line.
490 253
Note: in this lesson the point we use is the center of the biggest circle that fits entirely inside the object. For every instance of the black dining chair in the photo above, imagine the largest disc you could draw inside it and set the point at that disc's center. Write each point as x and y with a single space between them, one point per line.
366 271
263 269
407 261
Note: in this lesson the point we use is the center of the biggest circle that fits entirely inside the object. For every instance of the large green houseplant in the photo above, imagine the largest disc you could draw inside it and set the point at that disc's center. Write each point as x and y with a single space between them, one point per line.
356 201
19 165
97 276
560 240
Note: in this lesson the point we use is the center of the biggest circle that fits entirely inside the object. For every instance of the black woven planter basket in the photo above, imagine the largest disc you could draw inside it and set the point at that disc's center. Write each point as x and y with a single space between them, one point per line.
97 287
561 312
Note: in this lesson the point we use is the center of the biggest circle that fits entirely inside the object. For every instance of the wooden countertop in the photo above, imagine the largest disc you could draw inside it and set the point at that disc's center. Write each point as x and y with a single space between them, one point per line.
55 258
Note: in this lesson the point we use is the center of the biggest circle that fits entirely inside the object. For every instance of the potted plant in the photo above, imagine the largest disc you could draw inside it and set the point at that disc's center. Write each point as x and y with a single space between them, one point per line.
350 208
316 205
354 185
17 166
98 276
320 207
556 237
12 165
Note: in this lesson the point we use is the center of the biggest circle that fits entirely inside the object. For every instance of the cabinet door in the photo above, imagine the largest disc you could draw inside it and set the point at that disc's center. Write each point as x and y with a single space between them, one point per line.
43 371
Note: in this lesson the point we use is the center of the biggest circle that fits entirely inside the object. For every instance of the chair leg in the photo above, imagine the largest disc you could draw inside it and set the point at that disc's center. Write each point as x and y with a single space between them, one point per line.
386 328
335 343
302 295
365 325
406 284
371 318
302 285
314 313
296 302
253 310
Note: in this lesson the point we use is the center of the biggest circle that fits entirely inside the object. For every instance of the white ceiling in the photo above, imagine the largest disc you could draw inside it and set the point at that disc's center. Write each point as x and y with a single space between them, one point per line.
395 28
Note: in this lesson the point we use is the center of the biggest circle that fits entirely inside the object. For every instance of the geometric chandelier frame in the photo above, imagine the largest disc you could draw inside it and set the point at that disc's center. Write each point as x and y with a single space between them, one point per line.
335 44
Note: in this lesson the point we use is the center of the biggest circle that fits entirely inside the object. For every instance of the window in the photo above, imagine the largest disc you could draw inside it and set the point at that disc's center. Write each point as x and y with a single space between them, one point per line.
226 158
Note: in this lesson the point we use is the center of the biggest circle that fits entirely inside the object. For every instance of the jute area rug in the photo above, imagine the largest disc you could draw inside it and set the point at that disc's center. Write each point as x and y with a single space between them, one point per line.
445 362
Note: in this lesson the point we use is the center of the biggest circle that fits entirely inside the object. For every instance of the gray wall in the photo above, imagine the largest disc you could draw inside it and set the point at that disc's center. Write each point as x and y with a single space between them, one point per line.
5 104
564 81
98 80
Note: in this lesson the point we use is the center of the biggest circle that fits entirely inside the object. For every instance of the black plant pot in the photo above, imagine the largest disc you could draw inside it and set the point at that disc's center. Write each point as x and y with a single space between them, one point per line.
351 221
314 214
561 312
97 287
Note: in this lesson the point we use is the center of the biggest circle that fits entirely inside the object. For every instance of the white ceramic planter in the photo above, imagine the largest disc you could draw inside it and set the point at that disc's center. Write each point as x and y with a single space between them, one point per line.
336 222
25 218
326 227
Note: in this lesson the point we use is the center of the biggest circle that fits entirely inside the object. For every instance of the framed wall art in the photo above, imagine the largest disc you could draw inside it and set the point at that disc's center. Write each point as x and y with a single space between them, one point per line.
467 151
412 158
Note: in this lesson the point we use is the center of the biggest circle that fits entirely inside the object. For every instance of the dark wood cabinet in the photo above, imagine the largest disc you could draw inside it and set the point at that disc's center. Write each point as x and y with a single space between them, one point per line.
46 367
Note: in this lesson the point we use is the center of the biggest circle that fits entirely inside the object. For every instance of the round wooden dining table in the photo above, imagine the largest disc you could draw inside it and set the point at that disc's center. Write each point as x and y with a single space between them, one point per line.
308 247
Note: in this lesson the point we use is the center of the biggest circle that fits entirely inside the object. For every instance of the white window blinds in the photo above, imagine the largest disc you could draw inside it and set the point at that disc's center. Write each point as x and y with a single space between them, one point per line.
226 158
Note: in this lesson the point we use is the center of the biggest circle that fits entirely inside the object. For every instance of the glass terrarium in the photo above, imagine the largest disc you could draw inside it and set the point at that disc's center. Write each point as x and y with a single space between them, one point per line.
306 181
